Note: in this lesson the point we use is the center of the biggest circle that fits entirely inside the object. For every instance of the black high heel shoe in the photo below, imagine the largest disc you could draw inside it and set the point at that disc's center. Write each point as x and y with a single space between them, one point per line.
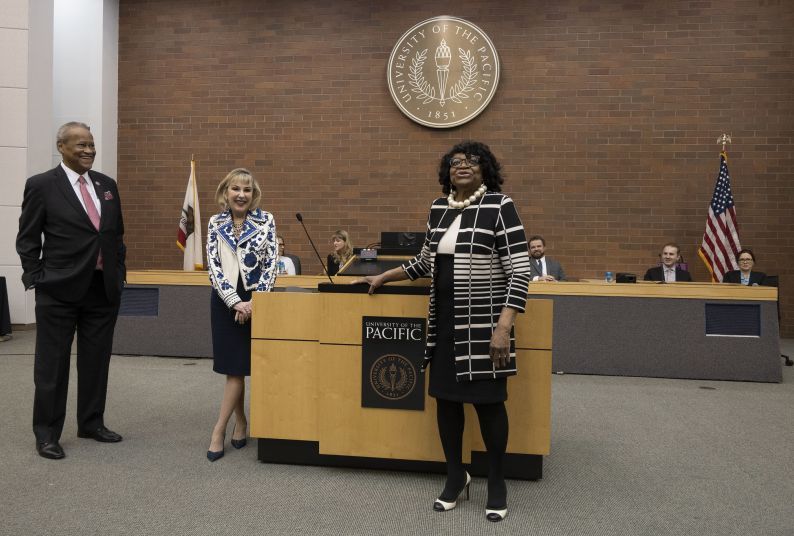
238 443
216 455
443 506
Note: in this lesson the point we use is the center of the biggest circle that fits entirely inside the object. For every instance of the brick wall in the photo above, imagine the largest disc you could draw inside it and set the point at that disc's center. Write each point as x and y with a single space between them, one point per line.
605 120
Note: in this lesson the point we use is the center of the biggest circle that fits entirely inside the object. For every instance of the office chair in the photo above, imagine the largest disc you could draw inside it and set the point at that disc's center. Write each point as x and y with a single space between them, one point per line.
297 262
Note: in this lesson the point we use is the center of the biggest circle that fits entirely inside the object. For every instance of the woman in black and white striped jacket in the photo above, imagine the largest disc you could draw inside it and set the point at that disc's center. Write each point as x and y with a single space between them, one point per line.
476 252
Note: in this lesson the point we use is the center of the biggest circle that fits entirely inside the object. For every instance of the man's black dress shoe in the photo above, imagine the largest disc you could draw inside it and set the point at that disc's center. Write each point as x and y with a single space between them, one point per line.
101 434
53 451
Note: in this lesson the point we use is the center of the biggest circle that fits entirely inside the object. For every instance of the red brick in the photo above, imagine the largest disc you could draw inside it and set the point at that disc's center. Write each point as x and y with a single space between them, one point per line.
605 121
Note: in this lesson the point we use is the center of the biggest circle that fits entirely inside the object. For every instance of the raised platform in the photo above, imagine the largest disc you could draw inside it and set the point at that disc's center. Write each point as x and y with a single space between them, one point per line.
678 330
167 312
672 330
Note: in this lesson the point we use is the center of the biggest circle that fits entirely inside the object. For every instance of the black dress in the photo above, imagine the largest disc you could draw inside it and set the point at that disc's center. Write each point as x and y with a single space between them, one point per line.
443 379
231 342
333 266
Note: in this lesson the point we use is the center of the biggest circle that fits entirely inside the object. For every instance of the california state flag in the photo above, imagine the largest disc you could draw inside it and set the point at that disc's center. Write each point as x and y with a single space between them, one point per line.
189 234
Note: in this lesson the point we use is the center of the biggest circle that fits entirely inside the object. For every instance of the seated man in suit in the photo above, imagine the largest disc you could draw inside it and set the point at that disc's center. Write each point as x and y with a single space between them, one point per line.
745 275
291 263
669 271
543 268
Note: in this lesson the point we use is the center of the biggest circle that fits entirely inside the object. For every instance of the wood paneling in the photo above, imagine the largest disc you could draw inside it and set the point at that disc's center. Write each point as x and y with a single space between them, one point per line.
310 389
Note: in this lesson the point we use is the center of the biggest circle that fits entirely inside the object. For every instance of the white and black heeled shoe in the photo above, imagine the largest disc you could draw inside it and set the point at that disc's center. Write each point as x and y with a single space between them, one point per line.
443 506
495 515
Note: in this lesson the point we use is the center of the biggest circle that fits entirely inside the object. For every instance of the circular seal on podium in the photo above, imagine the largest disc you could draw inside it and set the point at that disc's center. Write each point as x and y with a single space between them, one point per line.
392 376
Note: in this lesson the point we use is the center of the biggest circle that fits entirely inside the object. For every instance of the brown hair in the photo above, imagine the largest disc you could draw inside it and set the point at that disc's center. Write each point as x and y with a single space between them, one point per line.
347 251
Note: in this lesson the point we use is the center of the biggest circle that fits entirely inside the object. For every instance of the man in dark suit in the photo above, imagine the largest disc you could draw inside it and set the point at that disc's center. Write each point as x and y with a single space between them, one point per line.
543 268
669 271
78 273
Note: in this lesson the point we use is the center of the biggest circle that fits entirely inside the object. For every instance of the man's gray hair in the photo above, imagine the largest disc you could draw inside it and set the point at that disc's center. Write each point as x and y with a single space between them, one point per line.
61 136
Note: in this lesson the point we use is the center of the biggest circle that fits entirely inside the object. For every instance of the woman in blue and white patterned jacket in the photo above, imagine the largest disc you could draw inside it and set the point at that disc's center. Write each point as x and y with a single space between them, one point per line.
242 255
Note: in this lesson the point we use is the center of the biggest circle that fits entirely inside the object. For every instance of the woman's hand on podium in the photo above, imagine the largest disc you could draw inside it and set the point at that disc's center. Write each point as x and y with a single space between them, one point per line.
374 281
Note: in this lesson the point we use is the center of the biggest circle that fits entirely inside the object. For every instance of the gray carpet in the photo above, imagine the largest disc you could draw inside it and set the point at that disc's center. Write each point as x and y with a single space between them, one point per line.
630 456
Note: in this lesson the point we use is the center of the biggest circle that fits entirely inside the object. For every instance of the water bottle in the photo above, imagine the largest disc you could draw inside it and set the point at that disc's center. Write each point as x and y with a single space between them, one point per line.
282 268
608 277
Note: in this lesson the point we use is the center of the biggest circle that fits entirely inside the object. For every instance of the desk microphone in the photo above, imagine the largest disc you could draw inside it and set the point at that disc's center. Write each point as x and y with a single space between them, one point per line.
319 258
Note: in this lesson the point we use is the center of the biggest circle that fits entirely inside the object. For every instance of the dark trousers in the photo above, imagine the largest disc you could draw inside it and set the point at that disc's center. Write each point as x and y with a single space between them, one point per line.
93 319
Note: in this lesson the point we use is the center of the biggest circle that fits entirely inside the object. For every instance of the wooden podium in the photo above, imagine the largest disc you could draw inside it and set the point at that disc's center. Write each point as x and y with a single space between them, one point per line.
306 374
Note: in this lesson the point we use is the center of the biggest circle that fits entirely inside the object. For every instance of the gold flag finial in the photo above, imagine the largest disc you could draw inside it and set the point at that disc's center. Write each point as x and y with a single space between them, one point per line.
724 139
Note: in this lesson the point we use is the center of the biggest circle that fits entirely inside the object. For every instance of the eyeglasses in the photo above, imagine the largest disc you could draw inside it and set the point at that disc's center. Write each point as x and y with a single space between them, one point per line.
471 159
746 259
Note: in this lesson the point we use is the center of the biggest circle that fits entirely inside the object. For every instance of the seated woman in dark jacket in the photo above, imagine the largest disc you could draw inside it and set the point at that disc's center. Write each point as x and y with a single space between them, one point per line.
343 250
745 274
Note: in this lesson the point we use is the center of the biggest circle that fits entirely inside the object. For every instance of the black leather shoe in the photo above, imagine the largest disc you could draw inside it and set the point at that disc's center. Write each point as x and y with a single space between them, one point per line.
101 434
214 456
53 450
237 443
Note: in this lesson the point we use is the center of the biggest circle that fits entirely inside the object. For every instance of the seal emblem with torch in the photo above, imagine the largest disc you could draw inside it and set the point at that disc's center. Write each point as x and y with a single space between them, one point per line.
467 72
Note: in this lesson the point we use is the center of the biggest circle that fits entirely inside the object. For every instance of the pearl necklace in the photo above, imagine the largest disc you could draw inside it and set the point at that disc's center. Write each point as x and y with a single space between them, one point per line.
466 202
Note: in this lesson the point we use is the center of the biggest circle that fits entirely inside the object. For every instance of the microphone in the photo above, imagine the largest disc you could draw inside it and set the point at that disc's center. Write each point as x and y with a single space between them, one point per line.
319 257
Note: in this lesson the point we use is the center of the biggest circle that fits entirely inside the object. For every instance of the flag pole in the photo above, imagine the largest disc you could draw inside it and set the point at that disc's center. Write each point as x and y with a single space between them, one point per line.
724 139
721 237
195 179
195 200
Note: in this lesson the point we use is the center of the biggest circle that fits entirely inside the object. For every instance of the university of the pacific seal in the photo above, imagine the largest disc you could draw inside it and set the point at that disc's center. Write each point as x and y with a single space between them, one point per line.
392 376
443 72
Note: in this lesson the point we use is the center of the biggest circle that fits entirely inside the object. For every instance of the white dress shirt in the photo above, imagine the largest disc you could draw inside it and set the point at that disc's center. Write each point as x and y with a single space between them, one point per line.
74 181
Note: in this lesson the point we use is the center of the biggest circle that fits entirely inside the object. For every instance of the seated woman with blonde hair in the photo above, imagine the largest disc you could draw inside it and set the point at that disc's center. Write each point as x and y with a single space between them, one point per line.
343 250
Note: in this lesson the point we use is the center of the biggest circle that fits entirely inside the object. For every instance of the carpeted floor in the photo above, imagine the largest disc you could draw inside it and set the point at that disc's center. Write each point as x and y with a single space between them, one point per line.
630 456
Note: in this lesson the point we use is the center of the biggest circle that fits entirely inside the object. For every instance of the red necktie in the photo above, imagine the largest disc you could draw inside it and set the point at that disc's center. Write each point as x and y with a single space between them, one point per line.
93 215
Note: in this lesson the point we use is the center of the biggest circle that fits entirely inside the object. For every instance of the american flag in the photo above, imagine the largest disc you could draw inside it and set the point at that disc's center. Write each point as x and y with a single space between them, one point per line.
721 238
